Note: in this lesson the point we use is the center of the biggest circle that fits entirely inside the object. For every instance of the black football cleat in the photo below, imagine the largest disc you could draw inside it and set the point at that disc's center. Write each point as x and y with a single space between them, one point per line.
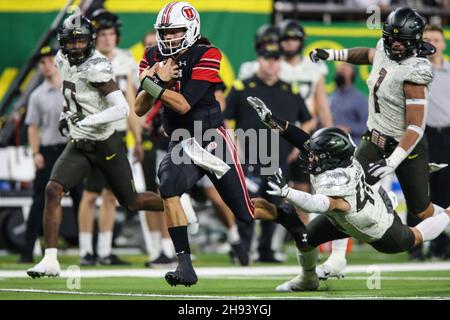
239 254
162 261
184 274
112 260
87 260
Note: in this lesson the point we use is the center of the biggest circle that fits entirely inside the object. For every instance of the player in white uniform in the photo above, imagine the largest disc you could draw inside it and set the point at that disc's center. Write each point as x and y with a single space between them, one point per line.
346 204
398 86
309 79
93 102
126 75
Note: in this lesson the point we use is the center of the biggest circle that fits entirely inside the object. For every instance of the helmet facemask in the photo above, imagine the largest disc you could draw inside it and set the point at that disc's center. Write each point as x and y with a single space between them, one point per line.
77 30
411 46
170 47
70 46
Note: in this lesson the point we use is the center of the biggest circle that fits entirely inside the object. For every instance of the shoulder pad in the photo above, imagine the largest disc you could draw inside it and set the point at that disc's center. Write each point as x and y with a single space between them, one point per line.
420 71
98 70
335 178
198 50
238 85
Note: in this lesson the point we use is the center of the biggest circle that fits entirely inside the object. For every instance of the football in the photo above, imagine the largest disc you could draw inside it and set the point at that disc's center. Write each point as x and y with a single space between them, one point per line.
170 83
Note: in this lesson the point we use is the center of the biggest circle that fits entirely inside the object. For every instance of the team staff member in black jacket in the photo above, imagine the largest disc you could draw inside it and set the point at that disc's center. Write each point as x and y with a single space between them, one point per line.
182 55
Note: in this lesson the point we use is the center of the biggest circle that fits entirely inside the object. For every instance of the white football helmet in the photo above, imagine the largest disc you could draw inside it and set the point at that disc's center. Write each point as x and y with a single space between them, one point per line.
177 15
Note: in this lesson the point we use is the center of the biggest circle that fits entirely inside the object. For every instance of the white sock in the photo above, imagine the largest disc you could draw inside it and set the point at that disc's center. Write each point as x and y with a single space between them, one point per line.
432 227
156 244
308 261
167 247
146 233
233 235
338 249
278 238
51 254
447 230
85 240
104 244
438 209
186 204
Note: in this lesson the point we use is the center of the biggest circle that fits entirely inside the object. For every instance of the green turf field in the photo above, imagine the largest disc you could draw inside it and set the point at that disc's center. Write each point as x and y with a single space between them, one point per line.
399 284
434 284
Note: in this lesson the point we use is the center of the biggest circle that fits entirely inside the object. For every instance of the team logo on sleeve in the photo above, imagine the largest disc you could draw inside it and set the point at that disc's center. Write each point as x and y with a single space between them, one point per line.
188 13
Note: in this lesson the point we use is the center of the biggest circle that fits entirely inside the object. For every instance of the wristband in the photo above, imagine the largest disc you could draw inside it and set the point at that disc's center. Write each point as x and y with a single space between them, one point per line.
338 55
152 88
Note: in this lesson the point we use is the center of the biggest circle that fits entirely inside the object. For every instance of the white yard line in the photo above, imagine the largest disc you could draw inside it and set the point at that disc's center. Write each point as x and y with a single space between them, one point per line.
347 278
192 296
240 271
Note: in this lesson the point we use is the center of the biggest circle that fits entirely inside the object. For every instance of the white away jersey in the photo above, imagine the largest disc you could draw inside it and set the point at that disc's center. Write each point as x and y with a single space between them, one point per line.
81 96
124 66
304 76
368 218
386 96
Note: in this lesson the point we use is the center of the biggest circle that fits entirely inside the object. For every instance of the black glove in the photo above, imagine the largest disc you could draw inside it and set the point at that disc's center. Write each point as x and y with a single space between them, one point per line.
63 127
318 54
76 117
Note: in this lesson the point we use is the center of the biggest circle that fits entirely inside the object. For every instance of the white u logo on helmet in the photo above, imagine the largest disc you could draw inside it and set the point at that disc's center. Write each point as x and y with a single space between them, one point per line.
177 15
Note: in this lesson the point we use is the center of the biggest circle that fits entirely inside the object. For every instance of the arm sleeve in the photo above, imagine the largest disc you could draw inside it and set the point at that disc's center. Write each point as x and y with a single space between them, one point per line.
317 203
221 86
231 101
33 111
118 110
195 90
295 136
208 66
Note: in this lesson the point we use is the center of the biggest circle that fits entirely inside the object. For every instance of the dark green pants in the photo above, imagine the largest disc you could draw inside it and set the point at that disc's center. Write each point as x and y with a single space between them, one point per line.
95 181
413 173
397 238
109 156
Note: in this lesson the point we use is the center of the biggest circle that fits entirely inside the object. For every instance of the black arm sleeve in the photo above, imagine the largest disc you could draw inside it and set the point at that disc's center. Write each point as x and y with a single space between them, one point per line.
232 99
295 136
195 90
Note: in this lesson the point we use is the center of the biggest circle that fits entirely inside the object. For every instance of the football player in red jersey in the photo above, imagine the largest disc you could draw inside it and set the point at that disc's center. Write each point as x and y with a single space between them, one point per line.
182 72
